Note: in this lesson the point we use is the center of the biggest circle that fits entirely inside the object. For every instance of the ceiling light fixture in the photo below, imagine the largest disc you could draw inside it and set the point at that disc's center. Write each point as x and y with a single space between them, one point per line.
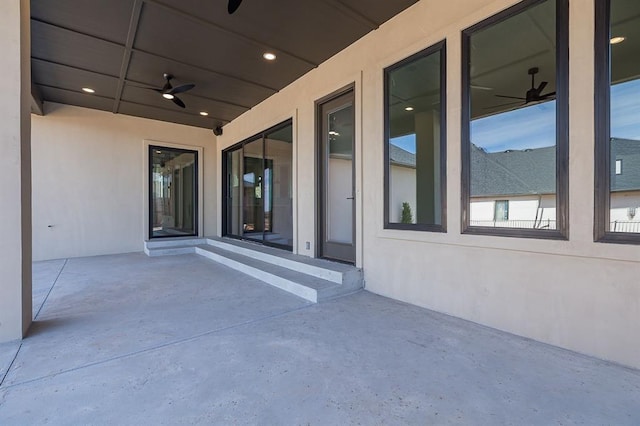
269 56
409 108
204 113
168 96
616 40
88 90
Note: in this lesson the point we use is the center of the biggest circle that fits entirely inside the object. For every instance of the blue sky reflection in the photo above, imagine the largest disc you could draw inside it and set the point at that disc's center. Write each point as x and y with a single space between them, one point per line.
534 126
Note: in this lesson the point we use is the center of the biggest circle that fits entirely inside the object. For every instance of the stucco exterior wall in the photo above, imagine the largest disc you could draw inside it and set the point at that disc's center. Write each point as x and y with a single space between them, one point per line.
575 294
89 178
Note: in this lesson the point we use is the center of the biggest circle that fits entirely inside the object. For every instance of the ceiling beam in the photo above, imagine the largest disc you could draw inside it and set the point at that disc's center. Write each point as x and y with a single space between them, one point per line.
73 67
141 85
218 73
352 13
126 57
173 110
232 33
133 49
37 104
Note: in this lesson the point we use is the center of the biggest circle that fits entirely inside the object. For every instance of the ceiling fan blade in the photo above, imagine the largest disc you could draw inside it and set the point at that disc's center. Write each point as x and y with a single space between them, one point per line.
541 87
176 100
548 95
233 6
182 88
510 97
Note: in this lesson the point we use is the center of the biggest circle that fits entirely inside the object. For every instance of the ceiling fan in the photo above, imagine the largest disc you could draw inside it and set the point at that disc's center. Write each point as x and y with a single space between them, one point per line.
233 6
170 92
532 95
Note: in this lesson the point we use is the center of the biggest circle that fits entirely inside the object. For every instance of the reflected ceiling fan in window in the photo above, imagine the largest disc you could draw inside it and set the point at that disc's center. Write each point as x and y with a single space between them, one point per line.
233 6
169 92
532 95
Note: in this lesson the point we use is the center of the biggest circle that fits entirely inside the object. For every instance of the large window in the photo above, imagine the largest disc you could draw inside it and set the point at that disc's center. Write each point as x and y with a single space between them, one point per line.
415 159
514 122
173 192
258 182
617 121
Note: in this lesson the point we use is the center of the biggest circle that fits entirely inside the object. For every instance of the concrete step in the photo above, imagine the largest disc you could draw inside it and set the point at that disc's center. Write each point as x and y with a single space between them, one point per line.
312 279
338 273
172 246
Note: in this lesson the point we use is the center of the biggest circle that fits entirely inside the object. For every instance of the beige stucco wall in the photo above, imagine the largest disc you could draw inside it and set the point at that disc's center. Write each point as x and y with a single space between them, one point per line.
576 294
89 178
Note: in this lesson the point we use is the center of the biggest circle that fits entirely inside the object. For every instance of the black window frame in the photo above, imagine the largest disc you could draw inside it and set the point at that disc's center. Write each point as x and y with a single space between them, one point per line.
225 182
196 210
441 48
562 127
602 153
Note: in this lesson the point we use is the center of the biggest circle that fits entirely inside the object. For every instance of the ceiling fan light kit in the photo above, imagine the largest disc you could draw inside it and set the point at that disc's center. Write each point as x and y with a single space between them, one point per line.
169 92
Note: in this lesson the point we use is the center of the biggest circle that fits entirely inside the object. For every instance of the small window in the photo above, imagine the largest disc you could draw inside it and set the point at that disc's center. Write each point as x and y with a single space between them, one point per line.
617 162
415 142
514 122
501 211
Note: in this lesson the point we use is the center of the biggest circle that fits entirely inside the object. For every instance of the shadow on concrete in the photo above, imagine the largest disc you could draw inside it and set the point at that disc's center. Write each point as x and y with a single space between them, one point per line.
39 327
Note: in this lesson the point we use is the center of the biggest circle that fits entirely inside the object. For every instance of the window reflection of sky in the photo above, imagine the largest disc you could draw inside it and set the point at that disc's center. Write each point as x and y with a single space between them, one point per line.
524 128
406 142
534 126
625 110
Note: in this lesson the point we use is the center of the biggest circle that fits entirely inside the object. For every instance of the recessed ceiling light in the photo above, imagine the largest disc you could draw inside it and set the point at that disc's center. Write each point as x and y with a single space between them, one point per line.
269 56
409 108
204 113
88 90
167 96
616 40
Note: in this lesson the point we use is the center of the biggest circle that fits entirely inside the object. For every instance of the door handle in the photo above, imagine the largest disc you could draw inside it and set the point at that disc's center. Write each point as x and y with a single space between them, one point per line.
349 198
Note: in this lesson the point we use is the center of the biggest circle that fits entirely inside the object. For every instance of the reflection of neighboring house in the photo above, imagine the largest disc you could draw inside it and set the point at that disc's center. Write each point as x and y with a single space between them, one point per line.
402 176
625 185
513 188
516 188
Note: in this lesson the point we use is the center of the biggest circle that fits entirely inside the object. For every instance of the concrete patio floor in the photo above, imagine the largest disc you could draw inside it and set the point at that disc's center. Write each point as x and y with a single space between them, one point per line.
128 339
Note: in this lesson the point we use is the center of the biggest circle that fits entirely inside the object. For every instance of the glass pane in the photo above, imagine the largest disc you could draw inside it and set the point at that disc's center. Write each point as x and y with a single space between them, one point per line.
513 120
173 192
234 202
414 142
278 193
253 191
339 192
624 214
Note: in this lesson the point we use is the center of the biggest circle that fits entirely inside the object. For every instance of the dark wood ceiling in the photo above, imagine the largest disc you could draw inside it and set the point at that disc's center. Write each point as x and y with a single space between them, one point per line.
117 46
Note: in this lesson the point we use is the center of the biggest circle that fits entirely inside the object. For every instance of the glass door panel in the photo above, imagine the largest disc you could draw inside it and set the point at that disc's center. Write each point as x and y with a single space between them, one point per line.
253 191
337 182
278 193
172 192
234 192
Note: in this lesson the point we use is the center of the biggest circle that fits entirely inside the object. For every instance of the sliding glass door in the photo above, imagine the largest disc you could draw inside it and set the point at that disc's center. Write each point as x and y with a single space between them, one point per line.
258 184
173 192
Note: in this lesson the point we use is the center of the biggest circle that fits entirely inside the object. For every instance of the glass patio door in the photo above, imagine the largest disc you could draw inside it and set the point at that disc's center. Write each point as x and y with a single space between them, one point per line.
173 192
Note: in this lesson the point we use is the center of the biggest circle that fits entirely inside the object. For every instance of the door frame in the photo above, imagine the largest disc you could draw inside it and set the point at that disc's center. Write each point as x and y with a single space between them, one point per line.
320 178
225 182
146 193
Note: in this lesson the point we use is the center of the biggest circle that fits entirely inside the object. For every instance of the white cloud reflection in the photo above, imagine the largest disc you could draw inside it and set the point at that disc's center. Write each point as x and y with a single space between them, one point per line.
524 128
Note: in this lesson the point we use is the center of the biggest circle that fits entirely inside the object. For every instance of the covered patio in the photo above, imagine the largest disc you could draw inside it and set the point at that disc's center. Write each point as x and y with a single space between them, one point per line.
129 339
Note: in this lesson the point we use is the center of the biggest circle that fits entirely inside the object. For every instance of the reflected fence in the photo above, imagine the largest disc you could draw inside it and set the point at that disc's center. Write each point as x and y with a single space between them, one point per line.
615 226
521 224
